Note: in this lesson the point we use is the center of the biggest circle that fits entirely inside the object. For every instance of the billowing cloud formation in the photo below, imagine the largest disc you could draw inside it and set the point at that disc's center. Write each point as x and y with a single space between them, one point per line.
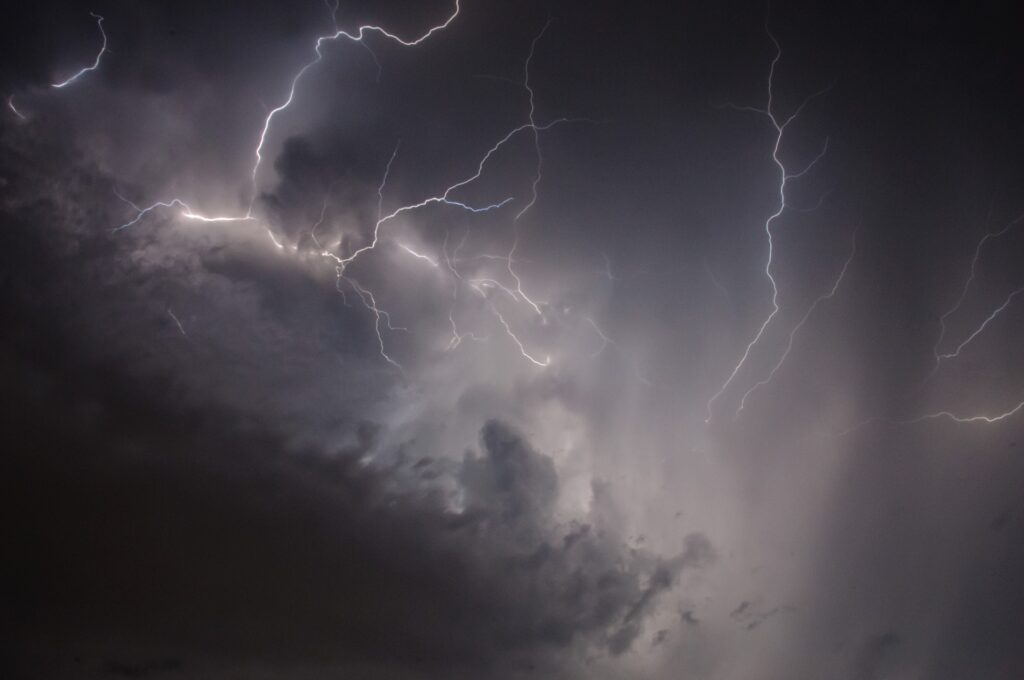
157 516
482 448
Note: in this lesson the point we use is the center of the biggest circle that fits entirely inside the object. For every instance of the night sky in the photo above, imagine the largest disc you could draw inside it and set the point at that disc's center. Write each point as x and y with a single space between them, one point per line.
415 340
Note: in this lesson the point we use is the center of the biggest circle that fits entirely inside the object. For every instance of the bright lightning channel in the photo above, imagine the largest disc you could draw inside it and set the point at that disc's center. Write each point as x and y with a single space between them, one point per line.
342 263
96 62
784 177
185 212
356 37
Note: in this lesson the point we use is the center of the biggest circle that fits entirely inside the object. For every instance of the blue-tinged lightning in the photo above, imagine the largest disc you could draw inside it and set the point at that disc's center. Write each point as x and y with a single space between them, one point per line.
796 329
779 126
96 63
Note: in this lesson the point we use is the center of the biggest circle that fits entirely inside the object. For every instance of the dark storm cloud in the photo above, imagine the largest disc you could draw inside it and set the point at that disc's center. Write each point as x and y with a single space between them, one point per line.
216 474
163 507
155 517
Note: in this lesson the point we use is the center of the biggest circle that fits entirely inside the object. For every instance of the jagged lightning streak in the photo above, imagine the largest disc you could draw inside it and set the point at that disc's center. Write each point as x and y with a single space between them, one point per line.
445 198
320 221
939 356
356 37
543 363
96 62
517 294
334 20
457 337
977 331
965 419
418 255
365 296
784 177
938 415
186 212
342 262
379 314
796 329
536 176
943 356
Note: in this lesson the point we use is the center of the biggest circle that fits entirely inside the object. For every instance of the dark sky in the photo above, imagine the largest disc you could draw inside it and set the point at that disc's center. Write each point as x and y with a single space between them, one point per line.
688 345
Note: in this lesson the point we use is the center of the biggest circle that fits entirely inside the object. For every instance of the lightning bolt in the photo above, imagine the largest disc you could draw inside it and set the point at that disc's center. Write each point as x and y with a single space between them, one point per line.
419 256
536 176
185 212
12 107
457 337
605 340
779 126
938 415
796 329
977 331
543 363
448 197
177 322
958 303
365 296
96 62
445 198
356 37
940 357
370 302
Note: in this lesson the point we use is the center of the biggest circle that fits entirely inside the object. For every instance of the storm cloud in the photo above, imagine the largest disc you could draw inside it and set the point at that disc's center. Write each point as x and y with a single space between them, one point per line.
549 345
